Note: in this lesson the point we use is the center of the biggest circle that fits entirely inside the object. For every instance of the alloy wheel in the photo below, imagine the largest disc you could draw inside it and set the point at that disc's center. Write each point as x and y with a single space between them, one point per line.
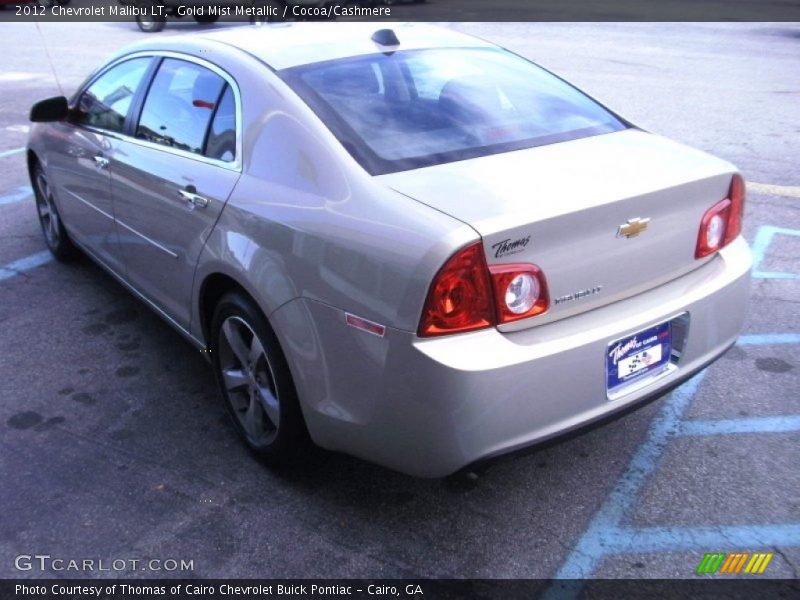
48 215
249 380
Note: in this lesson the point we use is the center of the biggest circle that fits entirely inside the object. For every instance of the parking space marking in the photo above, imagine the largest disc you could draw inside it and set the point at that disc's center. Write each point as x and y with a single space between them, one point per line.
789 191
23 192
591 547
671 539
8 153
16 77
25 264
605 534
776 424
769 339
763 239
18 128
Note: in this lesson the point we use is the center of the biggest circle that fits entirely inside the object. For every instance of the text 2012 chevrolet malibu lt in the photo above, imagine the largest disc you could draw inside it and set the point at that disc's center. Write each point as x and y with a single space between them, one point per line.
412 245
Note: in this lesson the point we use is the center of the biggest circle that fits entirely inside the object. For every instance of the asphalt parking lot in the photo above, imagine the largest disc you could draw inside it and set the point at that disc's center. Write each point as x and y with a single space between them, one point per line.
114 444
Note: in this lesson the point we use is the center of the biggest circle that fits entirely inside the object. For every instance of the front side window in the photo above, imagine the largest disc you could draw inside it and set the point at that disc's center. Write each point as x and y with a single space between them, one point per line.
106 102
419 108
180 106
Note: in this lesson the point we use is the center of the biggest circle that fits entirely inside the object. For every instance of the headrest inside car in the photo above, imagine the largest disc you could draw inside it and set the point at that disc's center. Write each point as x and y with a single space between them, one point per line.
350 80
205 91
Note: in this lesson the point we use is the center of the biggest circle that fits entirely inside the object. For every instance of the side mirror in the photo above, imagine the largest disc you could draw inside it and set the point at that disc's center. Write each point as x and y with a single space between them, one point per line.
52 109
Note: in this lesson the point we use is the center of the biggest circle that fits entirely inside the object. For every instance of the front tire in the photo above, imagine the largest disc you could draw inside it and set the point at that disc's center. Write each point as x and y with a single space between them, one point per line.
55 235
206 19
255 381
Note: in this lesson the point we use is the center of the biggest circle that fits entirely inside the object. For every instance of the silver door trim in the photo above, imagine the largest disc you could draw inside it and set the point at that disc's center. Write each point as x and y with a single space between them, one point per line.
89 204
148 240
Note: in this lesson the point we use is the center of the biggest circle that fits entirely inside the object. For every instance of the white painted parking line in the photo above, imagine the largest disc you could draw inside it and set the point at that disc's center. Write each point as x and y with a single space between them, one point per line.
18 128
8 153
788 191
17 76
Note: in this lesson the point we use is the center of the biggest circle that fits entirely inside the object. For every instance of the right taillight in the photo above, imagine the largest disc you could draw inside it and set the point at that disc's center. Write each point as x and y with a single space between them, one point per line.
520 291
467 295
722 222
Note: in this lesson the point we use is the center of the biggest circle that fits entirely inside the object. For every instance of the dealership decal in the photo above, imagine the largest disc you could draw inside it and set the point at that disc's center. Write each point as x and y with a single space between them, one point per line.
510 246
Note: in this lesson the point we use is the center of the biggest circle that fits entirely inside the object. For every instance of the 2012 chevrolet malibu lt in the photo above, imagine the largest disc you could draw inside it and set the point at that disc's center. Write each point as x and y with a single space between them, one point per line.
407 244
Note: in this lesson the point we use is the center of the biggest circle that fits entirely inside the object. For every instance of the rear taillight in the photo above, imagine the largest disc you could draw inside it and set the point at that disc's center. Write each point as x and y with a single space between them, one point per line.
520 291
467 295
460 298
722 223
736 195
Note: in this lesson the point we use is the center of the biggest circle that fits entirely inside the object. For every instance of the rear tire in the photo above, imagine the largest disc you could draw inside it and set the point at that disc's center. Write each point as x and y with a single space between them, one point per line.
55 235
255 382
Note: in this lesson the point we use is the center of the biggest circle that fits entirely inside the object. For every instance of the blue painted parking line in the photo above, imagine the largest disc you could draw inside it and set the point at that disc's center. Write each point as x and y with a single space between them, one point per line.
23 192
769 339
11 152
25 264
762 241
591 547
605 534
778 424
672 539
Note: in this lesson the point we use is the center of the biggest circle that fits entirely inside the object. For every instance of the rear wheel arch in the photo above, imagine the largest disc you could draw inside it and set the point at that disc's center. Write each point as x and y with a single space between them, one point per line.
212 290
214 287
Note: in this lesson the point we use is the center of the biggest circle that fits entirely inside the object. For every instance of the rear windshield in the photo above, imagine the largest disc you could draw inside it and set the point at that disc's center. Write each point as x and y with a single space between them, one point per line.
420 108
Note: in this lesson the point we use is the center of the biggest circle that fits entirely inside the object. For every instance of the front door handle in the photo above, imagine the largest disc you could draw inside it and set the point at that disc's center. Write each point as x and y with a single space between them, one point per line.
101 161
192 197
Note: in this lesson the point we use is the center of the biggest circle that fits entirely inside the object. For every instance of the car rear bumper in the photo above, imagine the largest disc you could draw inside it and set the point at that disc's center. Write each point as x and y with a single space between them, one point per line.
429 407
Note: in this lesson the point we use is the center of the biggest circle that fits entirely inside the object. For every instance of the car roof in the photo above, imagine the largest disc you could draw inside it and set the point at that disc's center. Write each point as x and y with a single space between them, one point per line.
286 45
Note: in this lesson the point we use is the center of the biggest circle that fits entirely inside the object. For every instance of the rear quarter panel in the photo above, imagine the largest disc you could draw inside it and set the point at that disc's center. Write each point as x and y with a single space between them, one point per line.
305 220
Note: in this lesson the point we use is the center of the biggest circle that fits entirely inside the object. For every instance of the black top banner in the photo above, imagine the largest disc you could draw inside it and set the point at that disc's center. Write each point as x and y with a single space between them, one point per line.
404 10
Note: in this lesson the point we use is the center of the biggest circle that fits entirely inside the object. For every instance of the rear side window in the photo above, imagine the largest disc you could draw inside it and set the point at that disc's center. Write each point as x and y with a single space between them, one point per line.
425 107
106 102
180 106
221 144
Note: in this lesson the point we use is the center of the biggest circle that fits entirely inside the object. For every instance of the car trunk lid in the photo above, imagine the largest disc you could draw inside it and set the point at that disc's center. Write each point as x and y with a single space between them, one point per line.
567 208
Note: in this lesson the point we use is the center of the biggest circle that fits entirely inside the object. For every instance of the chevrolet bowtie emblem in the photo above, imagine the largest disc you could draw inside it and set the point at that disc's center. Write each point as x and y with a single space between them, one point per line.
633 227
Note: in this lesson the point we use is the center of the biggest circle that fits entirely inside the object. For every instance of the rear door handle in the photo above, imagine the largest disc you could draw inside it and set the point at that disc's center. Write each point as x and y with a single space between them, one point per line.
193 198
101 161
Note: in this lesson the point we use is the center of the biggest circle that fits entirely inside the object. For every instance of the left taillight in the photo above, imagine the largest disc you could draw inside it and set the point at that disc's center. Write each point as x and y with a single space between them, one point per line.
460 297
722 223
467 295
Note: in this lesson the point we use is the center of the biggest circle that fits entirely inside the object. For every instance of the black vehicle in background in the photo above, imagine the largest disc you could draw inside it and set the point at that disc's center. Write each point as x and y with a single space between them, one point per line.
154 13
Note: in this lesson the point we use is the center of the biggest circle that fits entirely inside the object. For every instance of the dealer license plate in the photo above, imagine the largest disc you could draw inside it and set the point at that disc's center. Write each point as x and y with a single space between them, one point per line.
640 354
